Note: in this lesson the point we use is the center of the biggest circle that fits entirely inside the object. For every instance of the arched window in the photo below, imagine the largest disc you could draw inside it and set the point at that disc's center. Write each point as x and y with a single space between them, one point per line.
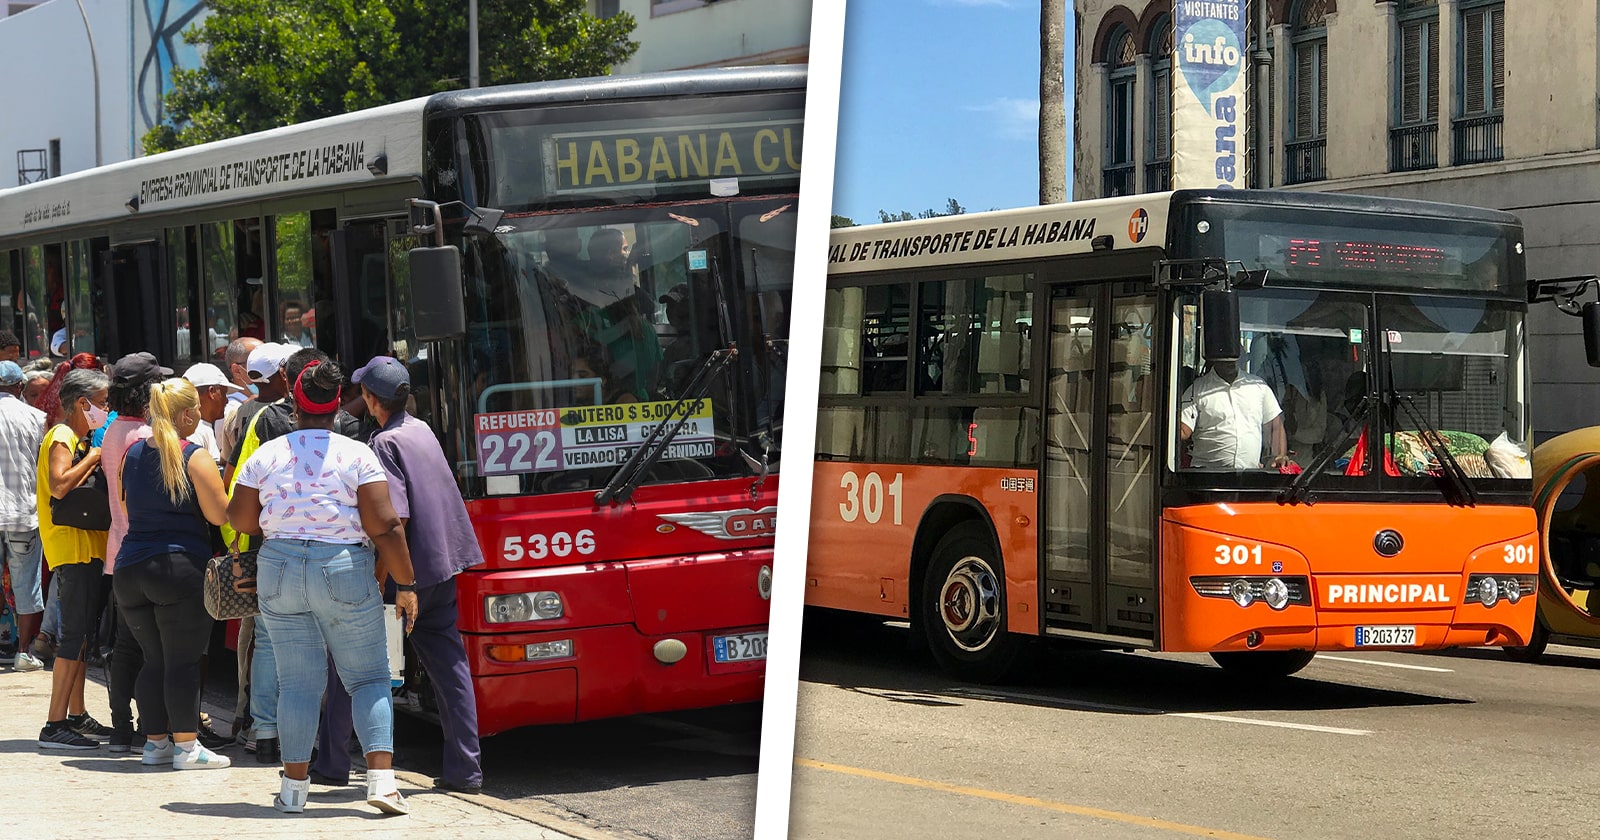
1413 140
1158 146
1482 34
1308 120
1119 174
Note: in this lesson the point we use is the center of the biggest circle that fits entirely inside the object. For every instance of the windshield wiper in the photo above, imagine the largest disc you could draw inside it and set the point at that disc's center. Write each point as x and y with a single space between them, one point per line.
1465 493
627 477
1299 489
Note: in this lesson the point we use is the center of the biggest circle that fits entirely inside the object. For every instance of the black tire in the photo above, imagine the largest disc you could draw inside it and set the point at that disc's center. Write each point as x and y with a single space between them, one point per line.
1263 664
1531 652
963 607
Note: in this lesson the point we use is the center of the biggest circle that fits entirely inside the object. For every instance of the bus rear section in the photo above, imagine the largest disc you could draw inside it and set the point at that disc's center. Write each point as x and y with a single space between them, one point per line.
649 608
1295 423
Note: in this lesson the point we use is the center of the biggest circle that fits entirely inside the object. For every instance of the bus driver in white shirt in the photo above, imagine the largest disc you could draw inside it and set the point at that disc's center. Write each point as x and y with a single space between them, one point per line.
1224 414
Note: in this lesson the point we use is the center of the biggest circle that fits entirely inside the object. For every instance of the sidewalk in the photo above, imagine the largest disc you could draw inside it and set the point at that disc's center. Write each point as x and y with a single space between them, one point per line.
97 793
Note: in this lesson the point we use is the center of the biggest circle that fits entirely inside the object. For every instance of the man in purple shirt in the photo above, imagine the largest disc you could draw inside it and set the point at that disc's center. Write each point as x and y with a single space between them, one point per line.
422 487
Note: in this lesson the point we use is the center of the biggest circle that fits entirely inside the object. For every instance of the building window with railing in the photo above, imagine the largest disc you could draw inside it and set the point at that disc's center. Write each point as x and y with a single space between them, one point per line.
1119 166
1158 143
1414 135
1478 130
1307 146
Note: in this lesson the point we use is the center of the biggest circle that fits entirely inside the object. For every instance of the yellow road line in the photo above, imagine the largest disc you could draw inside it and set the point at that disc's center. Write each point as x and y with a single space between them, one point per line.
1029 801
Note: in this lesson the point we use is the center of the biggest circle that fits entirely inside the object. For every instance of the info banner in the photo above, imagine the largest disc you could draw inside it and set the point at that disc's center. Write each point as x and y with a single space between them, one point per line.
1208 94
554 439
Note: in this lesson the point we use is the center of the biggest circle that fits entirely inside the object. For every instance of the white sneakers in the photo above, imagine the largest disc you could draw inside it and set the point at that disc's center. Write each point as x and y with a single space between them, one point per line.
157 752
291 798
194 757
197 757
26 661
383 794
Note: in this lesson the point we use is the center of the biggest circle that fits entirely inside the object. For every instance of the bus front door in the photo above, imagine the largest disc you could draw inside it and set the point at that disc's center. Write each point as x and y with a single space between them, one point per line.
1099 469
134 291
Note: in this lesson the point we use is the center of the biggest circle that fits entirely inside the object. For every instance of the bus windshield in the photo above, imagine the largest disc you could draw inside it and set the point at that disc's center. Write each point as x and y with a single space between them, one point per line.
585 330
1449 367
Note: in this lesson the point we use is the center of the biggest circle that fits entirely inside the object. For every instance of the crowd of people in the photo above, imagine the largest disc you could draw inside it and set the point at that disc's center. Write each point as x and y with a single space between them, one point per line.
123 481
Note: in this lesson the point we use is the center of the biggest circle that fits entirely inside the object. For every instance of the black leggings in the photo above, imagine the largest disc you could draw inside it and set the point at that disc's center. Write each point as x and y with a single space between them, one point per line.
162 602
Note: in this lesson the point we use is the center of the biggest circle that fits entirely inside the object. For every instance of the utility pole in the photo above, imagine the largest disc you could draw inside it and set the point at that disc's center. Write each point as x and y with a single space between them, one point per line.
94 66
472 48
1052 102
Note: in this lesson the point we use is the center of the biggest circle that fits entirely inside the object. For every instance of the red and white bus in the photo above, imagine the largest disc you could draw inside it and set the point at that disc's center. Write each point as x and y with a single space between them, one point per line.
626 251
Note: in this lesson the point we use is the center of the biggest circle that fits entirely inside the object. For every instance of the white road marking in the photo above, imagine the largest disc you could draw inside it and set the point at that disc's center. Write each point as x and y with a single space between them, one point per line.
1068 703
1386 664
1279 724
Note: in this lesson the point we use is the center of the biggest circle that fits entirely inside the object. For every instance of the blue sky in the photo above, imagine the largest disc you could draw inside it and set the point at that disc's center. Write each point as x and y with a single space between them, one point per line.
940 100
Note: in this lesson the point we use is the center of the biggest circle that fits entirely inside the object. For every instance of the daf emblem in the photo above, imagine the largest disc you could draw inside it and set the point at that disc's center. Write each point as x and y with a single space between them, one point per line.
764 583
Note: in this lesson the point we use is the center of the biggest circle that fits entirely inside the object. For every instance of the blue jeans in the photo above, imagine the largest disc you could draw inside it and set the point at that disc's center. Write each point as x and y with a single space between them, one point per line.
23 551
263 682
320 599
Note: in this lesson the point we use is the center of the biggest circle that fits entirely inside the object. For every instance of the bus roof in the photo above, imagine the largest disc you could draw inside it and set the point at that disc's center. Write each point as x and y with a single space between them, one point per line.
1081 227
376 145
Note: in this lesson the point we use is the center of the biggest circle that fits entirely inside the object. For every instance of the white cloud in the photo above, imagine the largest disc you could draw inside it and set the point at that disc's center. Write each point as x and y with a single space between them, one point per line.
1012 118
1003 4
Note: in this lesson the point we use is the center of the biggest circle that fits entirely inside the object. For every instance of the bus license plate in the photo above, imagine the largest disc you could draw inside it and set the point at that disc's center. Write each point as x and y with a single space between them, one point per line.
740 648
1375 636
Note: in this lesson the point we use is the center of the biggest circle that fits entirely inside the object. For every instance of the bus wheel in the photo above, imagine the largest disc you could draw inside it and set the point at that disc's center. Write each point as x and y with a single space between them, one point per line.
1263 664
1537 642
963 610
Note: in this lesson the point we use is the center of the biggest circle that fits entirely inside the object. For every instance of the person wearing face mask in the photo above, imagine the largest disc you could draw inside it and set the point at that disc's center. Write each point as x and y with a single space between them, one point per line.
160 570
74 555
1224 414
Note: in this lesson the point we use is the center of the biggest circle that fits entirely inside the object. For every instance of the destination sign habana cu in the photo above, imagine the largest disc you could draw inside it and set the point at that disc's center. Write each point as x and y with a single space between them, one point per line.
764 150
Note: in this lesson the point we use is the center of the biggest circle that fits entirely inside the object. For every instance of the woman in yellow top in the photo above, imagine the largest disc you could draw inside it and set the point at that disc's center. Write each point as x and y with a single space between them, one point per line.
77 557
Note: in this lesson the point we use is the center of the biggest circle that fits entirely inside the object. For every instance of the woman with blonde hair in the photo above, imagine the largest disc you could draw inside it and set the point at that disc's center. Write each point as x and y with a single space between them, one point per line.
168 485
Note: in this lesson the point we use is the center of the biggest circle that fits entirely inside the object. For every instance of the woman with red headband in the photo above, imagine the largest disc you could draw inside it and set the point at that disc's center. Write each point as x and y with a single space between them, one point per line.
318 498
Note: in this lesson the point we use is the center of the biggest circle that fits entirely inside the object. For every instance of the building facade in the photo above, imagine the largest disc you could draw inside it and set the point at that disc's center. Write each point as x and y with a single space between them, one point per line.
680 34
51 119
1480 102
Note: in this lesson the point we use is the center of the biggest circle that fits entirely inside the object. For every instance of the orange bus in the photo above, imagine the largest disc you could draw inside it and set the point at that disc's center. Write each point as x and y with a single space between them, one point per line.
1153 422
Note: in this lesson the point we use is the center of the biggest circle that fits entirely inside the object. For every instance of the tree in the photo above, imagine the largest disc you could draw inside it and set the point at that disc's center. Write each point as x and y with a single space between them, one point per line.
269 63
951 208
1052 102
841 221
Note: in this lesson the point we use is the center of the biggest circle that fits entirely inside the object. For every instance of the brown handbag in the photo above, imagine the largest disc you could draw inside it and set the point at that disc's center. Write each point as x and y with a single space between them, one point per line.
230 587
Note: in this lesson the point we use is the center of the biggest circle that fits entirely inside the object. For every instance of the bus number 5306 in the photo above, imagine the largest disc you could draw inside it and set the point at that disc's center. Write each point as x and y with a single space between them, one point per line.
864 497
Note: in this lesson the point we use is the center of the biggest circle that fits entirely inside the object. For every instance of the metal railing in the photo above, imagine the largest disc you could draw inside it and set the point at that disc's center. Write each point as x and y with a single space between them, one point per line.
1307 161
1478 139
1414 147
1119 180
1158 176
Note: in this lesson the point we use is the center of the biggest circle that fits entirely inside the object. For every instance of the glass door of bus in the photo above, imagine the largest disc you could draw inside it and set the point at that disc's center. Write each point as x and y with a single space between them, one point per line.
1099 484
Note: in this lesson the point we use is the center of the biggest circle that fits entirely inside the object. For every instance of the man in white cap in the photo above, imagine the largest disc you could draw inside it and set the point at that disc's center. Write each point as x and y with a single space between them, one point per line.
213 389
264 369
21 435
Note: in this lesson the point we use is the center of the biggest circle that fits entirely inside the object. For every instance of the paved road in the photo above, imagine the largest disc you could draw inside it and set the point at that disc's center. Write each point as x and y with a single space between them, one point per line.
1134 745
681 776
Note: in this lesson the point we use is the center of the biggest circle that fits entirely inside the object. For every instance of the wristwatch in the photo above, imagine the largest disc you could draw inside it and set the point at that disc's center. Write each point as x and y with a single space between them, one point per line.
406 587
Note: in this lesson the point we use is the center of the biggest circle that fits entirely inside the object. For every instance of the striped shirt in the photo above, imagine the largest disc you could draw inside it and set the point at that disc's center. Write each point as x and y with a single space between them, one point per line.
21 435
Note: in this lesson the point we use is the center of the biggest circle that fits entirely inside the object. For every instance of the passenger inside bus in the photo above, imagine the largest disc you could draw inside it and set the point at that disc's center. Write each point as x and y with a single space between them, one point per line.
1227 415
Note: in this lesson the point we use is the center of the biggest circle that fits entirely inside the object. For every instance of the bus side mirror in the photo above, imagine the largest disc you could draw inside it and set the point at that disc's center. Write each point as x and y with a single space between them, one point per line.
438 310
1591 333
1219 317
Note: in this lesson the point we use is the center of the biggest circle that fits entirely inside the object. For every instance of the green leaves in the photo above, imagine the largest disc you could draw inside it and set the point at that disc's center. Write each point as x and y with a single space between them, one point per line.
269 63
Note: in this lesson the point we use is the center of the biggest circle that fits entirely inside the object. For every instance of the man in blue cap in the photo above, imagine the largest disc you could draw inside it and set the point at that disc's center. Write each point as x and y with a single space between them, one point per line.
422 487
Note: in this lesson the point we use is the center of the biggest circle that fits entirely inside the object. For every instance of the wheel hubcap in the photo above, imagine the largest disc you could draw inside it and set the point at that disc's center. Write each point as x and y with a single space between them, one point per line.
969 603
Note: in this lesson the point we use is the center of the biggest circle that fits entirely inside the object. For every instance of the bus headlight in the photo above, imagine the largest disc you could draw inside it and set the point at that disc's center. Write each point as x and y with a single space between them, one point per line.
1512 590
1488 591
1276 593
523 606
1240 592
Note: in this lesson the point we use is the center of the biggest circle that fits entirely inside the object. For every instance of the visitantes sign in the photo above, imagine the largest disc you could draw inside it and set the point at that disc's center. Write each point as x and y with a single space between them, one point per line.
1208 94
